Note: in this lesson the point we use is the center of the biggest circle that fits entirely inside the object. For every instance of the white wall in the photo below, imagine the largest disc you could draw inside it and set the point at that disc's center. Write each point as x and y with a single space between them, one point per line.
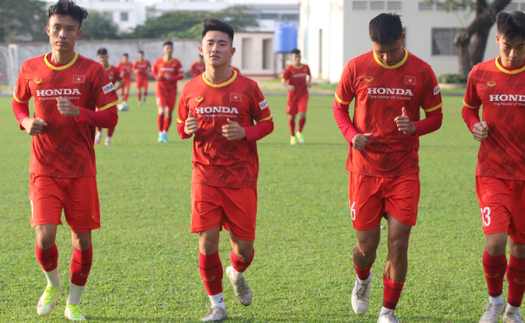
250 51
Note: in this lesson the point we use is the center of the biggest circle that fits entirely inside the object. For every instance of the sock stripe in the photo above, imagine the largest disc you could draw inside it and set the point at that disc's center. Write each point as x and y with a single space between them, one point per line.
210 267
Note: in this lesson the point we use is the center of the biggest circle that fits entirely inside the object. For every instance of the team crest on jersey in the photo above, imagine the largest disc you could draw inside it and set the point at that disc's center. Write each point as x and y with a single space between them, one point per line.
410 80
199 99
79 79
235 97
369 79
491 84
38 80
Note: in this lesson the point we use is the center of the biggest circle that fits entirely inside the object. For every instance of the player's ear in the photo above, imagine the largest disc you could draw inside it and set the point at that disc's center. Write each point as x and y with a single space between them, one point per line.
497 39
48 29
232 52
200 51
79 33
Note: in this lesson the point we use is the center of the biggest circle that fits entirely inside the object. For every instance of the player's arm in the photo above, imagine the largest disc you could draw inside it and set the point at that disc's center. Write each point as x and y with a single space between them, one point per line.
308 78
262 116
187 124
470 111
20 104
180 74
286 81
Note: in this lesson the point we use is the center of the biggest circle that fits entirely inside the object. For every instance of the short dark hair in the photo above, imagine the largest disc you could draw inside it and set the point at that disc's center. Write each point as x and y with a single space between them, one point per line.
511 25
125 54
167 43
141 52
296 51
385 28
68 7
211 24
102 51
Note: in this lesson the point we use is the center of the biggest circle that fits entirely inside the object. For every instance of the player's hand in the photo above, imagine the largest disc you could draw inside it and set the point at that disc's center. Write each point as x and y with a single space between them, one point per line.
167 76
191 125
233 131
291 88
480 131
403 123
33 126
66 108
361 140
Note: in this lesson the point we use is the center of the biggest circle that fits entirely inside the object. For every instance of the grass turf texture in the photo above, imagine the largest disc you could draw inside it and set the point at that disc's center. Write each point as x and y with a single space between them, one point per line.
145 258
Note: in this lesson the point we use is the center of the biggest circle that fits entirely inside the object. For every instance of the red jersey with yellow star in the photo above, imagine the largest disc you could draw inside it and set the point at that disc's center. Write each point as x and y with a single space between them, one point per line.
381 91
114 74
64 148
171 71
501 92
218 161
296 76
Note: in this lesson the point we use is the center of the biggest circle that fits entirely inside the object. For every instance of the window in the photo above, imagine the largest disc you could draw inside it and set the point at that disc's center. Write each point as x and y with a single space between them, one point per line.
423 6
393 5
359 5
123 16
443 41
522 6
269 16
377 5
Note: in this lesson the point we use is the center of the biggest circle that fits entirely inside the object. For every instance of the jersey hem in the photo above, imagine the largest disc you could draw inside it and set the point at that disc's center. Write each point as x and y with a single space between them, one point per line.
390 175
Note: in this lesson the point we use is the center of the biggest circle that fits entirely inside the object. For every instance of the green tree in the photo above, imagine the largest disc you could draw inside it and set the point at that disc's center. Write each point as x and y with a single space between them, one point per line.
22 20
99 26
470 52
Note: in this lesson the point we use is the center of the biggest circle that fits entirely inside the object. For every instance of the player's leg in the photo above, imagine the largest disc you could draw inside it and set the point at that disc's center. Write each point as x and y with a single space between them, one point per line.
168 112
138 82
291 110
145 91
111 131
46 210
241 258
302 106
98 135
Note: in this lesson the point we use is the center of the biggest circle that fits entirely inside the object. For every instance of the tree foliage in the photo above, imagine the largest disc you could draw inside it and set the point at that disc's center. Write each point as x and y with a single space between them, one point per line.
187 24
99 26
22 20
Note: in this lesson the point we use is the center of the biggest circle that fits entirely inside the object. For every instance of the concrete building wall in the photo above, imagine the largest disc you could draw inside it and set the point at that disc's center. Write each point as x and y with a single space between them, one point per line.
254 54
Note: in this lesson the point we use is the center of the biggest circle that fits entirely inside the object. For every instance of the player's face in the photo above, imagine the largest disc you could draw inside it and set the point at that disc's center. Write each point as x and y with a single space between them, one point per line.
63 31
512 51
296 58
216 48
124 59
168 50
141 56
391 53
103 59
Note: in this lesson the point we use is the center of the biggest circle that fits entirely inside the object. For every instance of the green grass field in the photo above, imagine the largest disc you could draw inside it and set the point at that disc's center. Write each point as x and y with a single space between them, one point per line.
145 258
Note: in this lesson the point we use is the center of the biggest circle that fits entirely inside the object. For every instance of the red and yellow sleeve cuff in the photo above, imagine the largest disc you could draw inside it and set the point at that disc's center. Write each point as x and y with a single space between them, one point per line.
470 106
180 121
340 101
109 105
434 108
18 100
265 119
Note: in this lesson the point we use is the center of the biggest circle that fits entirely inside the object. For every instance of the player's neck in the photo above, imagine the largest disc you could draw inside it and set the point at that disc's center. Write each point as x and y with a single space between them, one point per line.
62 58
167 58
106 66
218 74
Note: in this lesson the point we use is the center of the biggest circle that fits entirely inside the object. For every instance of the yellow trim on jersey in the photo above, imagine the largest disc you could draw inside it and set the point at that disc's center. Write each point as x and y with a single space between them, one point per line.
107 68
165 61
470 106
18 100
504 70
180 121
60 68
434 108
298 67
181 74
109 105
265 119
391 67
340 101
223 84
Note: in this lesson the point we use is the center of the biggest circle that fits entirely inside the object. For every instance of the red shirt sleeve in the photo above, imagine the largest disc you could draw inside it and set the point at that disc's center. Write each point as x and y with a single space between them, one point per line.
471 117
103 119
180 71
182 115
431 123
344 95
21 111
261 114
286 75
471 101
259 131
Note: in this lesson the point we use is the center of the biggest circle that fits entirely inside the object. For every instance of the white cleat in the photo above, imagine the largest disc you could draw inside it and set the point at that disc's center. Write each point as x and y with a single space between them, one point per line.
240 286
98 136
492 313
361 296
512 318
388 317
215 314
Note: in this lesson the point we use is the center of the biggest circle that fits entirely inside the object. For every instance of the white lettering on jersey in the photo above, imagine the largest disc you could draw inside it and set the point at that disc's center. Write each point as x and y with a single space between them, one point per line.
507 97
216 110
57 92
382 90
108 88
263 104
437 90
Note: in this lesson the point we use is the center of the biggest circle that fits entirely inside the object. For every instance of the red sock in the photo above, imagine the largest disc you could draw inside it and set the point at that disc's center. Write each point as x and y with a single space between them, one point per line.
160 122
99 129
391 292
167 123
516 279
291 123
81 265
211 272
145 93
363 273
301 124
48 259
110 132
138 96
241 265
126 97
494 268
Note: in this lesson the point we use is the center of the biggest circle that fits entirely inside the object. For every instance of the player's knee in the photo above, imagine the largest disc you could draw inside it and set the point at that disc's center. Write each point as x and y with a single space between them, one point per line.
365 249
399 245
45 242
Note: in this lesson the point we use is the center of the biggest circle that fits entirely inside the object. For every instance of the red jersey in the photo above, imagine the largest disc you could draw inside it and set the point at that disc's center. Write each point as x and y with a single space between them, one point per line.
64 148
500 90
170 71
141 68
114 74
218 161
125 69
297 76
381 91
197 68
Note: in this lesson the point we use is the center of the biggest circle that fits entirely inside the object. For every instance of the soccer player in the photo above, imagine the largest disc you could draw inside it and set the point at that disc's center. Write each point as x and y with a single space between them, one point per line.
124 67
233 68
296 79
390 86
141 68
67 88
197 68
497 85
116 77
219 110
167 71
